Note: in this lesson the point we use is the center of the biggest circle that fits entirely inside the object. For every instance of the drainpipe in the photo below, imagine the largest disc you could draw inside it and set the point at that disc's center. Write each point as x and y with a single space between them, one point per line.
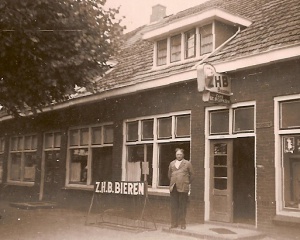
218 48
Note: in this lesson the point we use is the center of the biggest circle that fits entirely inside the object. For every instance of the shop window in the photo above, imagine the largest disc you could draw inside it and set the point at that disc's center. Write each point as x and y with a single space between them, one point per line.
165 127
176 48
90 157
190 44
23 158
291 171
155 147
243 119
290 114
206 39
162 52
219 122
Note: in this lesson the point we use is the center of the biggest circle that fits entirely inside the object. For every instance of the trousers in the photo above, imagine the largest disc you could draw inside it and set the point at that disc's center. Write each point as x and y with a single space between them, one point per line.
179 202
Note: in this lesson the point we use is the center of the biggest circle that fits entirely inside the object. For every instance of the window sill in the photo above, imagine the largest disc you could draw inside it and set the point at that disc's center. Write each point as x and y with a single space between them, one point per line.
287 220
79 187
25 184
159 192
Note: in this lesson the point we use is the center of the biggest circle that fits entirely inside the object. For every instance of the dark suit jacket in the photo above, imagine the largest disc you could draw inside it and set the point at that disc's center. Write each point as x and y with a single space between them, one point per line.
182 176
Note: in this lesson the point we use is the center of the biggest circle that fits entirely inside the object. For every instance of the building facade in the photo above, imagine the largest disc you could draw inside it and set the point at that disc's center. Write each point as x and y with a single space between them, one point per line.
246 154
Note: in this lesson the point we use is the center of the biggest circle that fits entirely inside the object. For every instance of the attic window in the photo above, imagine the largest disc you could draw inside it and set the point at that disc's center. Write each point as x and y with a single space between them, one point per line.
162 52
206 39
176 48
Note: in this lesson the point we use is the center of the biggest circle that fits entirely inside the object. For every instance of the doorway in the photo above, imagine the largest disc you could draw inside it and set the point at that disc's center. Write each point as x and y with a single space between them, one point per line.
232 181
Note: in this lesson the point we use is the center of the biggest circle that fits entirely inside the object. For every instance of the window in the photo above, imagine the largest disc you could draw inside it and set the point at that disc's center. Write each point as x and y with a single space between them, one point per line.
241 118
23 158
206 39
291 171
153 148
90 154
176 48
162 52
190 44
290 114
2 145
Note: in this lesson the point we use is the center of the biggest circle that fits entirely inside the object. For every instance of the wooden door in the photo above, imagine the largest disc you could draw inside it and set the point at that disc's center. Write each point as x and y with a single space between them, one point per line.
221 180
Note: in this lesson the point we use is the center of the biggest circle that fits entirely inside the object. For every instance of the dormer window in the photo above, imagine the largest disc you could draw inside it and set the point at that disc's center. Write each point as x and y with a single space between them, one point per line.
175 48
206 39
162 52
190 44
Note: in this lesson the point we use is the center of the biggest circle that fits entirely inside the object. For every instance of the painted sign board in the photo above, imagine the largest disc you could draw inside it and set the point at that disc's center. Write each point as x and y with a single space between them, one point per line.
216 86
122 187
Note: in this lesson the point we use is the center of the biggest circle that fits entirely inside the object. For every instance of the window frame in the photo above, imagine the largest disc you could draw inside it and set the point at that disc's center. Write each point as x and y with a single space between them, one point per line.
172 52
280 133
186 42
164 49
155 188
90 146
23 152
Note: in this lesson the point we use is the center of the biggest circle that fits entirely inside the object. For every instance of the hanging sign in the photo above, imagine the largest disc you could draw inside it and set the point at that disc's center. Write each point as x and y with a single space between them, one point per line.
215 86
125 188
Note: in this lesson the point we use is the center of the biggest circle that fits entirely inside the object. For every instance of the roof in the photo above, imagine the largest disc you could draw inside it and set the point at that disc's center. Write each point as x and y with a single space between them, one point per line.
275 24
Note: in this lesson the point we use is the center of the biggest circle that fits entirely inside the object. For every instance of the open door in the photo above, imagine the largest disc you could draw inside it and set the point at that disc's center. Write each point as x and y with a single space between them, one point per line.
221 180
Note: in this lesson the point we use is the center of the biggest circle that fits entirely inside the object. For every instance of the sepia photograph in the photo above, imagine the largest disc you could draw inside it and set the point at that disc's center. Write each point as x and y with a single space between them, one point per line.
153 119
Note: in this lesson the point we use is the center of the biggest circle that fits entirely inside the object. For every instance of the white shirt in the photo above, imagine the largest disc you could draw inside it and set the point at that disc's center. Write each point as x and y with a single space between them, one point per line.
177 163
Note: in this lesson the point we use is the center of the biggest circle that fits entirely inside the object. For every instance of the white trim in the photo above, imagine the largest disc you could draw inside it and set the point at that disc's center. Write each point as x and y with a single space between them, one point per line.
278 156
195 19
254 60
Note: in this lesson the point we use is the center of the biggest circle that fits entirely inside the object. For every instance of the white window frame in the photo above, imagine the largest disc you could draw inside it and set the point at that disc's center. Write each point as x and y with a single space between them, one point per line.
230 135
22 151
155 188
89 146
279 188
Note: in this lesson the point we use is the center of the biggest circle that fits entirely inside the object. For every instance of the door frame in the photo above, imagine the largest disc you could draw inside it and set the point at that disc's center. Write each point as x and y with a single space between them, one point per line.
208 137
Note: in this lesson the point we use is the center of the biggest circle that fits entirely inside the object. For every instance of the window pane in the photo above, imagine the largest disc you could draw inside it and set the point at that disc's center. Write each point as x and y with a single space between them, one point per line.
290 114
206 39
96 135
14 143
190 46
162 52
15 167
78 168
33 142
291 171
132 131
220 183
20 143
48 140
29 166
220 171
176 48
167 155
244 119
102 164
57 140
135 155
84 136
108 134
147 129
219 122
2 144
27 144
165 127
183 126
74 138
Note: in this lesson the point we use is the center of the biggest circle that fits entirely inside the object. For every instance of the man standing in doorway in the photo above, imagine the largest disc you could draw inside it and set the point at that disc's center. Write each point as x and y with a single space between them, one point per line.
180 175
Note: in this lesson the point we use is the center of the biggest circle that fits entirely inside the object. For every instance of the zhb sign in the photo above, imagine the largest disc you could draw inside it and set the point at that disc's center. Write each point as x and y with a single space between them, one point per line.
216 87
125 188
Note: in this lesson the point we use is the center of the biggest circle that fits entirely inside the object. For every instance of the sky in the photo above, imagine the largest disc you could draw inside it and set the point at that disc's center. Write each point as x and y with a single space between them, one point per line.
137 12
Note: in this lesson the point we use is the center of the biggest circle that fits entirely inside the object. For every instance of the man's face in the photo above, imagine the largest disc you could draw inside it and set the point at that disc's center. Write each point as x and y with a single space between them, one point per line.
179 155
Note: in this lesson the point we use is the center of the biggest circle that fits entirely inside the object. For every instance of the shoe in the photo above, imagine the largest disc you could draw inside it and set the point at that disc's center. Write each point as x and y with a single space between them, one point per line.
173 226
183 227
